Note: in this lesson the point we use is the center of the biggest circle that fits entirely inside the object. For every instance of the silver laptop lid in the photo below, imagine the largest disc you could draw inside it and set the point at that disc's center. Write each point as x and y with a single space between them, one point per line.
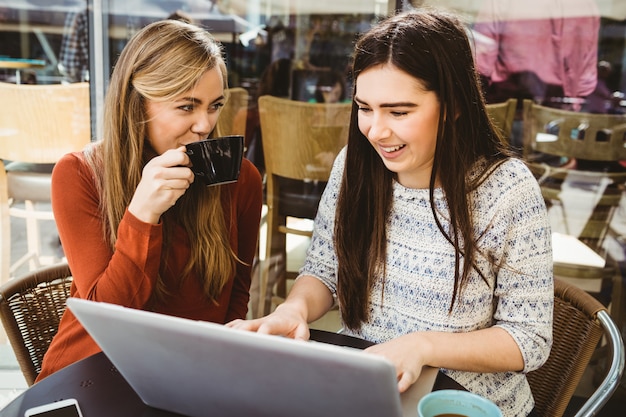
198 368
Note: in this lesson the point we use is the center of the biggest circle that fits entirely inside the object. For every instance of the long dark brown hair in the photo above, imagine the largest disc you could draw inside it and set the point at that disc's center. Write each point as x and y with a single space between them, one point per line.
432 46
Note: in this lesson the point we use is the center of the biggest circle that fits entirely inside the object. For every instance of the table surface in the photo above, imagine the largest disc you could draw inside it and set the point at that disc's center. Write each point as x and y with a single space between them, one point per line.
101 390
19 63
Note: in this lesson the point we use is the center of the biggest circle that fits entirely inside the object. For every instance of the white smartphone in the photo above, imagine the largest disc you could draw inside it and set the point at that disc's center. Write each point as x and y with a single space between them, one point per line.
63 408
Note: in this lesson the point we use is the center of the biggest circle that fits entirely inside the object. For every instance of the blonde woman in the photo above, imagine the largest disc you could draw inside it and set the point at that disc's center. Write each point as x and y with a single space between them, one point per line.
136 228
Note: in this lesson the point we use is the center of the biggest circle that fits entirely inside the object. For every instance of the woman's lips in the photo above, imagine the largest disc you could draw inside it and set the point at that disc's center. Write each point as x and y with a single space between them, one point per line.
390 149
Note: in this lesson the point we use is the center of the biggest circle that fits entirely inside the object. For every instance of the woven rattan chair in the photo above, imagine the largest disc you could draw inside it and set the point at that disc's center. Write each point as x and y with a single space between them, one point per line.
30 308
232 120
572 136
596 137
580 321
503 115
300 143
581 141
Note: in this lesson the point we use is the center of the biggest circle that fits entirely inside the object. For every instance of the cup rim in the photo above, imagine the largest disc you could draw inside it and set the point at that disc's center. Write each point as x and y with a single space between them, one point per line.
218 138
484 402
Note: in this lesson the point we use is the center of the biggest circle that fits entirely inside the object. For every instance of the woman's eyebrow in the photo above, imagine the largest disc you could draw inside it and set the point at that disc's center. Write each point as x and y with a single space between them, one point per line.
387 105
190 99
196 100
399 104
358 100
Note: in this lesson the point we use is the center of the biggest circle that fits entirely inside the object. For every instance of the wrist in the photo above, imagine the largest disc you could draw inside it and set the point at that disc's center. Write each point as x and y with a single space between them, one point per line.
143 215
426 345
293 308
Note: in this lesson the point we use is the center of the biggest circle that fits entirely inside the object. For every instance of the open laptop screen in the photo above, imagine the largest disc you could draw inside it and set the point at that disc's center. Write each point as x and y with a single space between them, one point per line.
198 368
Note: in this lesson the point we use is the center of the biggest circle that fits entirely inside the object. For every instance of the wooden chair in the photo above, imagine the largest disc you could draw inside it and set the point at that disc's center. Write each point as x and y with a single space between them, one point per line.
38 125
588 136
31 307
580 321
589 198
503 115
300 143
232 120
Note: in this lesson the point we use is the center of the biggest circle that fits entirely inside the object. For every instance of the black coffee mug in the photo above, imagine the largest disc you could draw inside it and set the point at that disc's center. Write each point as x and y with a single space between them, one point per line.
216 160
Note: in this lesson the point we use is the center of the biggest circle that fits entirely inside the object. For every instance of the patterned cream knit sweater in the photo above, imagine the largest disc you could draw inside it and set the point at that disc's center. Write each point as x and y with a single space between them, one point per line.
510 216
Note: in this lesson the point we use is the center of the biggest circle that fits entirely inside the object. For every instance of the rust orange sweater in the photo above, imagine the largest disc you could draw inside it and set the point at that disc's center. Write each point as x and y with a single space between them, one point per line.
127 275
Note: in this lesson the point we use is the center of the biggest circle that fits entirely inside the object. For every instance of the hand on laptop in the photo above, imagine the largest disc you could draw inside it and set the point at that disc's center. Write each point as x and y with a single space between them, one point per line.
284 321
308 300
402 352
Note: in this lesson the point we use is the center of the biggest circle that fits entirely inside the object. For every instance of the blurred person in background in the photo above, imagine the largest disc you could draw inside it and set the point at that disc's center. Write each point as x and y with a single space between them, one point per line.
543 50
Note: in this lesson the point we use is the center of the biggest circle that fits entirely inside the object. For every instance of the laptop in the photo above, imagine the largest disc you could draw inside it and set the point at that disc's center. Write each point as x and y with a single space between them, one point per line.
198 368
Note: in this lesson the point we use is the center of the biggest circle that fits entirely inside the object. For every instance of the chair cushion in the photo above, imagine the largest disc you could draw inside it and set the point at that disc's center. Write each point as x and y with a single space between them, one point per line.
29 181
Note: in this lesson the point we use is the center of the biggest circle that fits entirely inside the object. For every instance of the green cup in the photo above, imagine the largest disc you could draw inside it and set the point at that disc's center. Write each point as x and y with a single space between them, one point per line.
454 403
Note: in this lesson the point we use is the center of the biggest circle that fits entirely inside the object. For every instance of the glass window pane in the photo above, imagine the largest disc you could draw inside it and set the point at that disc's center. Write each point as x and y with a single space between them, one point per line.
32 35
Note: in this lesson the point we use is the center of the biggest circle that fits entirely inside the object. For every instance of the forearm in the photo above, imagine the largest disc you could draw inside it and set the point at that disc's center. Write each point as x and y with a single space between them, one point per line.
124 276
486 350
309 297
307 301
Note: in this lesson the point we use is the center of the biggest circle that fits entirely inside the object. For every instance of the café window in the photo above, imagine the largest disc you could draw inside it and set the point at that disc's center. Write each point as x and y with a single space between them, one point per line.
59 41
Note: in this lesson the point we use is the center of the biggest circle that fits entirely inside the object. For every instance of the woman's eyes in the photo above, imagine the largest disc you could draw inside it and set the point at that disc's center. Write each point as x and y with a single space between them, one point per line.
395 113
217 106
212 108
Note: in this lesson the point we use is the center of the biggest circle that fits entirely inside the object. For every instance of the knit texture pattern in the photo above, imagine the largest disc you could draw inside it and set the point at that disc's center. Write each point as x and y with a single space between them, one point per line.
516 259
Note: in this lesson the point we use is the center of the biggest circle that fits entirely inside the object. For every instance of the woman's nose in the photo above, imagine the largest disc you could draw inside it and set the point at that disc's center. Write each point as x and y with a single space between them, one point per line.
203 124
378 129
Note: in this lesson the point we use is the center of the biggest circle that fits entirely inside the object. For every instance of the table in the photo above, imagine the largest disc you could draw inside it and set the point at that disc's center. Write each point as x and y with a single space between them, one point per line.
101 390
18 64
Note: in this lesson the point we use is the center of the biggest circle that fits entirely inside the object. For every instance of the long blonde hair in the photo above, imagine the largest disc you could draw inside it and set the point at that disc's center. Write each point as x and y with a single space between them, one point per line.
163 60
